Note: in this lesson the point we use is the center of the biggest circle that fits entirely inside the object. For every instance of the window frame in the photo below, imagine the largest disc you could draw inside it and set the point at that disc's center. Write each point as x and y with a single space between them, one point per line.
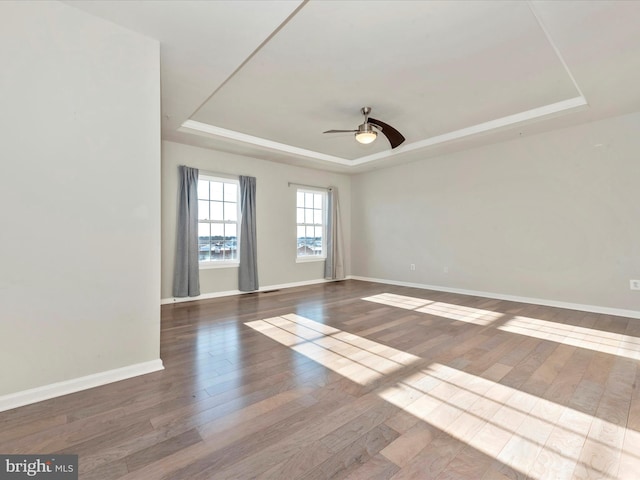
228 262
323 255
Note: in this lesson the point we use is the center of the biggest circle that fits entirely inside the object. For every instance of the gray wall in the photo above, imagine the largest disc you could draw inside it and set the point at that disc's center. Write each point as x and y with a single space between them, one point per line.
554 216
276 216
80 196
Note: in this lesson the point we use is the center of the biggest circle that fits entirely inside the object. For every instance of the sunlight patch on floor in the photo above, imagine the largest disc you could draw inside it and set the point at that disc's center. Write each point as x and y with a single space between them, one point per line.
477 316
400 301
590 338
451 311
525 432
532 435
362 361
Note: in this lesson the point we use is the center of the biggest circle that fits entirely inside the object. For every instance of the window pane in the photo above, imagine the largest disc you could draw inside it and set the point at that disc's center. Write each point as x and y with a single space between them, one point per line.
216 191
303 244
216 211
229 251
230 192
234 249
203 241
300 200
317 233
308 200
317 217
203 210
308 215
203 190
300 215
204 253
217 239
203 232
225 247
317 200
217 232
231 211
225 251
231 240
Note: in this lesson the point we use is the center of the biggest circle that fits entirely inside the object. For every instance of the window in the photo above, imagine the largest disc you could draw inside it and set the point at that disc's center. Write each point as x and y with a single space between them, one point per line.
218 214
311 208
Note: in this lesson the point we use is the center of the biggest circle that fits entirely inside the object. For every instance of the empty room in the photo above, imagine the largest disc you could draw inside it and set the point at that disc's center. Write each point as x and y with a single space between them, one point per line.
315 239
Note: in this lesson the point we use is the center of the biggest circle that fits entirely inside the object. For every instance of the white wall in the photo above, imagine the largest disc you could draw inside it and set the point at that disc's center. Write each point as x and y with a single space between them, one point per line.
80 196
554 216
275 216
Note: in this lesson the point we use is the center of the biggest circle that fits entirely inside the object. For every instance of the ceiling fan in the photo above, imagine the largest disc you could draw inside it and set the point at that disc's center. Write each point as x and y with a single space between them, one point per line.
368 131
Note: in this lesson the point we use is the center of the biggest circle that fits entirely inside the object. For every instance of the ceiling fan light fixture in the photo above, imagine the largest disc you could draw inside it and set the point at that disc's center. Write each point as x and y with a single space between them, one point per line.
369 129
366 137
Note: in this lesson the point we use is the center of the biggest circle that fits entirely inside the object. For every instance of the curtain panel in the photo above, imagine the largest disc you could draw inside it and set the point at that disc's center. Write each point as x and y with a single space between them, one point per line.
186 274
248 268
333 265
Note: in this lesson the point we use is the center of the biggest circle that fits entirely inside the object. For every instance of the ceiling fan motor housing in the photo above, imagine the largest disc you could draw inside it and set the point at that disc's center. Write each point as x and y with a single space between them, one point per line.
368 128
366 133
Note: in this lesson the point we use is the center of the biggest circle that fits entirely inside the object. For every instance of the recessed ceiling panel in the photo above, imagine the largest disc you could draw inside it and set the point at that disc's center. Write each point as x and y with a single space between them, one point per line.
427 68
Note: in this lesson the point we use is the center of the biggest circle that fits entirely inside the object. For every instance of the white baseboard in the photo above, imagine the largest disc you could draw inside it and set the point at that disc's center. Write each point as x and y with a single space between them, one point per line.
204 296
498 296
228 293
45 392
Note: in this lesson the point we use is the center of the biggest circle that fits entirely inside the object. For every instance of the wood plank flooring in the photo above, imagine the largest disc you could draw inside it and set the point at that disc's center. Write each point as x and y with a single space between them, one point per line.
358 380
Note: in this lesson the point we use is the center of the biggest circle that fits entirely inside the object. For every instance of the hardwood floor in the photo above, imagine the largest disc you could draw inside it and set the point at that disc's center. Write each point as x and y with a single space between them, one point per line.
359 380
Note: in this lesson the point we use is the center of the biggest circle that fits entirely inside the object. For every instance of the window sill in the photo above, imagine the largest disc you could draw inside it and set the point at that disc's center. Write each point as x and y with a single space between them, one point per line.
211 265
310 258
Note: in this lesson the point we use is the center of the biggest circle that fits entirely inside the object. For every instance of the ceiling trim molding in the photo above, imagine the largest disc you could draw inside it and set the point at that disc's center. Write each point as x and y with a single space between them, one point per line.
192 126
564 106
555 47
255 51
520 118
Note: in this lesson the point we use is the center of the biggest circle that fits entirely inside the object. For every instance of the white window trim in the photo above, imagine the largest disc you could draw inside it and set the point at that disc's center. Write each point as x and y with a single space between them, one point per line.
314 258
311 258
212 264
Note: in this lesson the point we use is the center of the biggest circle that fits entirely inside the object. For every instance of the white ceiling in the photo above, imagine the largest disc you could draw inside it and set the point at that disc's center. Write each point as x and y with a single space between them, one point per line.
266 78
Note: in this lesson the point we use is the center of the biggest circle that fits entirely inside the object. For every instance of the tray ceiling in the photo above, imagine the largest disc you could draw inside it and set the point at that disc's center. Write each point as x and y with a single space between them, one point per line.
266 78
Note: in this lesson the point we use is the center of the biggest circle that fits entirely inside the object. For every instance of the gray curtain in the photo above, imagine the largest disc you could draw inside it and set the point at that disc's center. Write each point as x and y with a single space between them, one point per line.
248 268
333 265
186 274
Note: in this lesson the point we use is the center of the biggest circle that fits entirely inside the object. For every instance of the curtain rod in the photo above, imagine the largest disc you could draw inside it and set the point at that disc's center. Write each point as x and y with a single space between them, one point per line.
309 186
218 174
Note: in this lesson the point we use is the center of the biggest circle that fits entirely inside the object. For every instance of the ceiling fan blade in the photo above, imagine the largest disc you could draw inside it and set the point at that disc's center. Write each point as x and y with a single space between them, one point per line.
394 136
340 131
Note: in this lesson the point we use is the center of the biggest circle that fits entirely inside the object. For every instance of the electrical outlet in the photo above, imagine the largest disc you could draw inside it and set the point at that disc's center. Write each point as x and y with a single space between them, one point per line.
412 267
634 284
